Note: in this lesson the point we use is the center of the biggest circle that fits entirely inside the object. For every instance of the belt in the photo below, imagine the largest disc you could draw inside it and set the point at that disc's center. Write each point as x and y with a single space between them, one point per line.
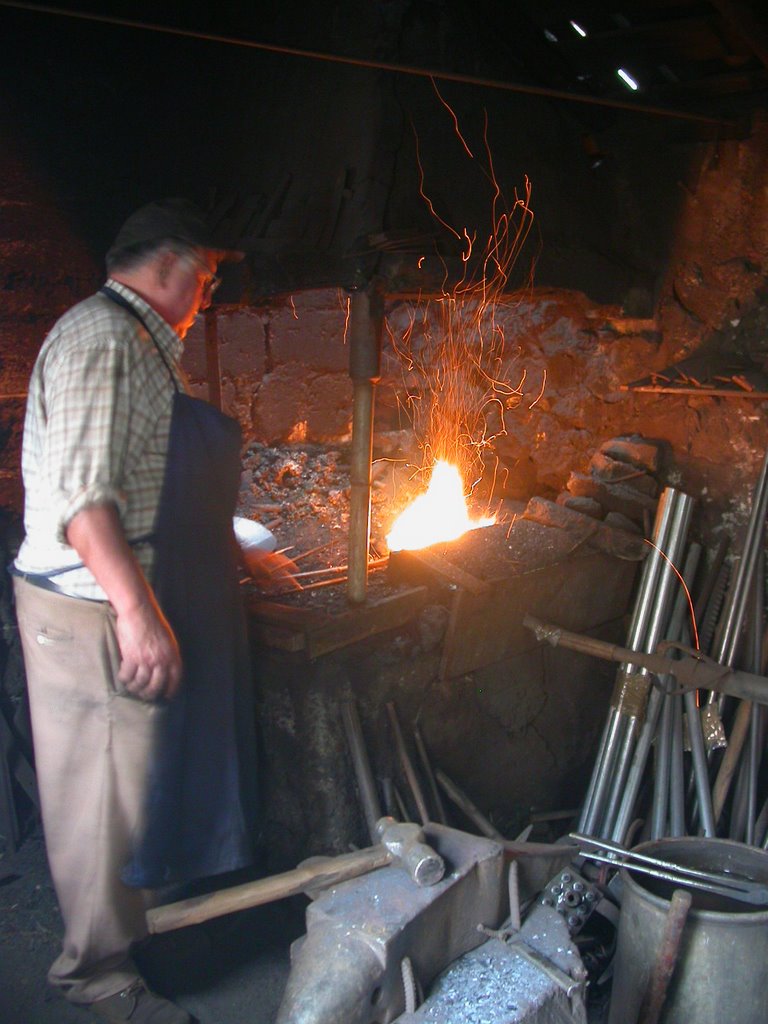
44 582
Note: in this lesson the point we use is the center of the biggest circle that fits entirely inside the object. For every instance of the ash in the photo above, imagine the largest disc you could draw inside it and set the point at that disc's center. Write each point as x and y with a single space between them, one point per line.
301 492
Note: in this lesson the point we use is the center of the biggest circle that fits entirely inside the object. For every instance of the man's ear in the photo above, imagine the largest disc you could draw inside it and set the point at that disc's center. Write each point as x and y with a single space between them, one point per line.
165 264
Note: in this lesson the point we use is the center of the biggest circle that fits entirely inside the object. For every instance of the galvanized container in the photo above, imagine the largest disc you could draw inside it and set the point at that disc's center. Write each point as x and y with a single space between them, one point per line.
721 976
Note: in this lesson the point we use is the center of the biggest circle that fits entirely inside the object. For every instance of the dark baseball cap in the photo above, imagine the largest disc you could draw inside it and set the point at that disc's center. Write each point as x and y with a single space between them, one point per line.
178 219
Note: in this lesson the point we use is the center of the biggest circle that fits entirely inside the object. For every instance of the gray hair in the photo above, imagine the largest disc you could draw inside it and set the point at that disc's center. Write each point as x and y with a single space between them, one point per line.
134 256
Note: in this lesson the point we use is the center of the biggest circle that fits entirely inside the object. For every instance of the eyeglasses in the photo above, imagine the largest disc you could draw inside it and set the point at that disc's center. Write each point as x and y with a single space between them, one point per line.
212 281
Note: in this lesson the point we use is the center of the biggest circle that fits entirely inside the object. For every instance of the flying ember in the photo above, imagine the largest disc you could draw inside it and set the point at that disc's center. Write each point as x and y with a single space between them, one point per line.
440 514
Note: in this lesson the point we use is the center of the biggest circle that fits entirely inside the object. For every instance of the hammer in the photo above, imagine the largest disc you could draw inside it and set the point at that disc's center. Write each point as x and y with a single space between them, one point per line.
401 844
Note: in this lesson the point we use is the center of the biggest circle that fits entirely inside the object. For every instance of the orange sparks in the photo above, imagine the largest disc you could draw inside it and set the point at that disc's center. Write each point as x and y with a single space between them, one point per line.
543 385
683 584
452 112
423 194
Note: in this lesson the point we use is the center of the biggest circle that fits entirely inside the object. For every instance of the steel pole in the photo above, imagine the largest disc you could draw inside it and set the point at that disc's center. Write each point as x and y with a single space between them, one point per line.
613 732
623 796
366 318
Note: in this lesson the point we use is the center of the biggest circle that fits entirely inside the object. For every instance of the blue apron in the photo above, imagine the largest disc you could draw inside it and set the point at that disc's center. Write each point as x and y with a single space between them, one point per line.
201 809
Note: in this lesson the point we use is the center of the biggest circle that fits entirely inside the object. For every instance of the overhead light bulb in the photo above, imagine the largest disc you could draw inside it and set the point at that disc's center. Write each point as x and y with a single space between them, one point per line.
627 79
578 29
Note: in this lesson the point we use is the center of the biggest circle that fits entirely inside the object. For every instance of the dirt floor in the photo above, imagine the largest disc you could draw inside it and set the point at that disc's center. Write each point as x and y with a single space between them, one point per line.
227 971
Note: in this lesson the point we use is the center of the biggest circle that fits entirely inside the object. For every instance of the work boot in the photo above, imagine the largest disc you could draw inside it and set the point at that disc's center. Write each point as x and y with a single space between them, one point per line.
138 1005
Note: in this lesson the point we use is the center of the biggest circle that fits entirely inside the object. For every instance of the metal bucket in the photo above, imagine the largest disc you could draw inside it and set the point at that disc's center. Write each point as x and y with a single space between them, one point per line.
721 976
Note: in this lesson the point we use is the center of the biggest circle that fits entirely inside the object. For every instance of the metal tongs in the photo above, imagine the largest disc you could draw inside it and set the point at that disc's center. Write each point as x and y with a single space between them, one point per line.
733 887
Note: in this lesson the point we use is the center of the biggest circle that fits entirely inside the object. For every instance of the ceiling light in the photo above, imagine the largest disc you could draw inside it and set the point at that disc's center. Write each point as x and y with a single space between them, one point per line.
627 79
550 36
578 29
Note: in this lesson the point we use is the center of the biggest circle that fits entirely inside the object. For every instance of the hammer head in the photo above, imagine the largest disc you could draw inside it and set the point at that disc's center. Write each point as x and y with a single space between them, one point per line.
407 848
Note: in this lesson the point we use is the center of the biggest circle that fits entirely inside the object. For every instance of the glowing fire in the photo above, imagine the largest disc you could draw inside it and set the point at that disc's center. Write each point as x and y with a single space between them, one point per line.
440 514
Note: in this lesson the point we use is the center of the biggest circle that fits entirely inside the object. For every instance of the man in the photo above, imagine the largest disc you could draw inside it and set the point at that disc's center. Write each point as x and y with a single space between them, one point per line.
128 607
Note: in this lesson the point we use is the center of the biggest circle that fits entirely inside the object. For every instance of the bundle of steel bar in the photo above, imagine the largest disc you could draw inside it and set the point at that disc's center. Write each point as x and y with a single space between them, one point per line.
632 715
662 716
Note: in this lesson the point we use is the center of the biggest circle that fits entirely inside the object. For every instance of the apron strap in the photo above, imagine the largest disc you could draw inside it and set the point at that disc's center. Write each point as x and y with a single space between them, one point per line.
120 300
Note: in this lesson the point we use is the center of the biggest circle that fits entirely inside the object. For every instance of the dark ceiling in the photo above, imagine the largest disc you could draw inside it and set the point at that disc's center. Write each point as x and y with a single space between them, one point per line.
315 163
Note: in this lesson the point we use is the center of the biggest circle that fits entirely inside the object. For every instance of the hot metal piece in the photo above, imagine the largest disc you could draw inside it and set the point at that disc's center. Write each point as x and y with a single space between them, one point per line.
348 965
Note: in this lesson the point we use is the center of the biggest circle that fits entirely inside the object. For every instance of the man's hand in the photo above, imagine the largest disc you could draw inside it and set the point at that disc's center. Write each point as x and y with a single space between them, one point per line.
150 662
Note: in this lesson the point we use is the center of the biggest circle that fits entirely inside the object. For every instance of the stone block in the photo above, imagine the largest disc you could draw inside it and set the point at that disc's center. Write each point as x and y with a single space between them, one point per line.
636 450
294 404
586 506
242 348
613 497
611 470
309 328
586 530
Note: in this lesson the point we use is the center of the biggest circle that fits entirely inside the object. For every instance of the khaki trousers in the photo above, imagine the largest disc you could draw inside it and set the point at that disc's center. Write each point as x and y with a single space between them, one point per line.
92 750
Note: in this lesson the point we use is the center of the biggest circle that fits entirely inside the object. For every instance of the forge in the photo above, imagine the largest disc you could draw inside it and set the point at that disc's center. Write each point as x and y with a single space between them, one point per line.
441 637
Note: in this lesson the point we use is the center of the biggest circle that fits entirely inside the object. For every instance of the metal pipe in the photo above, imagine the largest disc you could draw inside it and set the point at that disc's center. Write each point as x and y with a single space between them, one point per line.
591 816
627 780
699 762
406 764
366 317
430 775
662 769
366 785
689 671
677 775
666 959
727 642
661 808
438 74
755 731
464 804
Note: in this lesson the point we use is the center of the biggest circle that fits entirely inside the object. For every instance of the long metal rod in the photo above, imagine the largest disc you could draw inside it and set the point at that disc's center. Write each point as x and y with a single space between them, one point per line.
591 817
334 58
407 764
739 591
661 809
662 769
755 730
677 774
729 885
369 796
365 326
625 795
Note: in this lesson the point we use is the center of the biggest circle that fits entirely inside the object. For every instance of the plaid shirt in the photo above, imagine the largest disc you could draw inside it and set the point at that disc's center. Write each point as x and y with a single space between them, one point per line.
96 430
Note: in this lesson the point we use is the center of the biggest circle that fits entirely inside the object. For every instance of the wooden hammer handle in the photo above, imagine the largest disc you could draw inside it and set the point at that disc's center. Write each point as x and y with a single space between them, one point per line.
321 873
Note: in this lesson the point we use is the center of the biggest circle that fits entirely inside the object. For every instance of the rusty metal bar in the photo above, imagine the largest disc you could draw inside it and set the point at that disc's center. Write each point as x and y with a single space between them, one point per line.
366 785
429 773
436 73
407 765
366 319
464 804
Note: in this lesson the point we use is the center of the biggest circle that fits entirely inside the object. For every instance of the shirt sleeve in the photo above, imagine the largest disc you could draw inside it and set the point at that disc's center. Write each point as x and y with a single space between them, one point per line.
88 406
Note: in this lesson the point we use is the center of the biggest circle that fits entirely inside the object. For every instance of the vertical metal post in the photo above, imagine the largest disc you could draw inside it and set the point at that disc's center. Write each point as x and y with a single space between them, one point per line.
365 325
